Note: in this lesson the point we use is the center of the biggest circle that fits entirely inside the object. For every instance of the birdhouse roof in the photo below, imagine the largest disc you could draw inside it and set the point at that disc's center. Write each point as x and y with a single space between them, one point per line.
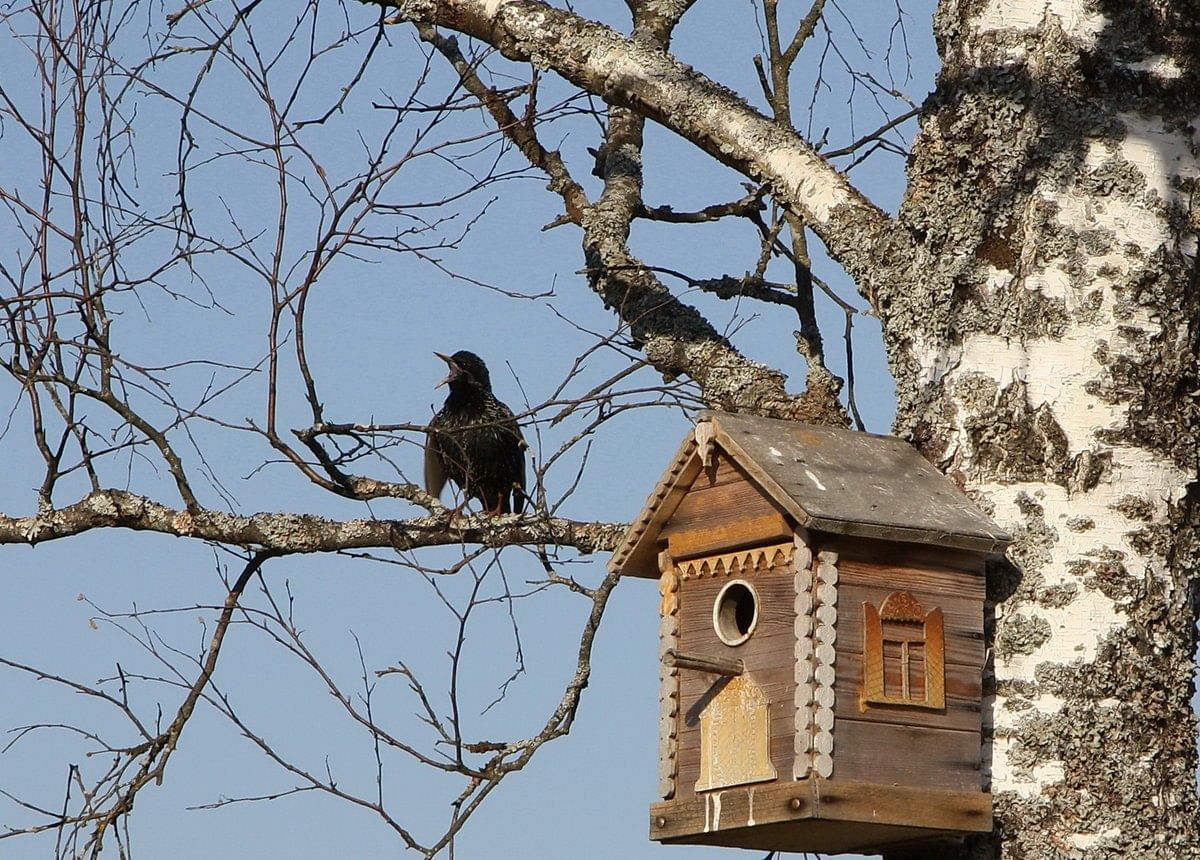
827 479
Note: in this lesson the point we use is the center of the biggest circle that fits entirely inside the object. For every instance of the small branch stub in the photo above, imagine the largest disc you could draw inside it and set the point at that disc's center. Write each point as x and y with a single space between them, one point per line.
701 663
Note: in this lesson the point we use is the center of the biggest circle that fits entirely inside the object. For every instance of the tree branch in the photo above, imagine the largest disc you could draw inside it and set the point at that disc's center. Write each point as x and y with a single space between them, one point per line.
288 533
674 336
872 246
158 751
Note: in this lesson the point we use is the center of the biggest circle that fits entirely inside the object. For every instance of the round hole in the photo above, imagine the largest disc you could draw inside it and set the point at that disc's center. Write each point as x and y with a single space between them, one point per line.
735 614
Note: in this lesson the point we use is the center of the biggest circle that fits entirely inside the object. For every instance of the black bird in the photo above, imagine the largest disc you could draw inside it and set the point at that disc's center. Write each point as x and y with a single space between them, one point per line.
475 441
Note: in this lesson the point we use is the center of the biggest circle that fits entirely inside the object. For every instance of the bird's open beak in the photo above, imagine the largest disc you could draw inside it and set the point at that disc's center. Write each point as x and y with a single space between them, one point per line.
454 371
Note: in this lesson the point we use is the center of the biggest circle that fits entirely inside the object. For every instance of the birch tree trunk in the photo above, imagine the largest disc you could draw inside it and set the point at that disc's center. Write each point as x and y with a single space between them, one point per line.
1041 309
1050 366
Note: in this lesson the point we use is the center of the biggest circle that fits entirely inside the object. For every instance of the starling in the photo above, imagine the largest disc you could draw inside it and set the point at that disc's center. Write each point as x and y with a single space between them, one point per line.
475 441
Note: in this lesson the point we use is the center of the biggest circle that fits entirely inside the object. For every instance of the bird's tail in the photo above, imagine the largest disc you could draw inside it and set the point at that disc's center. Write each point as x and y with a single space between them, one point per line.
518 498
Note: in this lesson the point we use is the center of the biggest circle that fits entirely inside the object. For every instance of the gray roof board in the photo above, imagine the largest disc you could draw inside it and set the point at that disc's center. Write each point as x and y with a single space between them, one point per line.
860 483
828 479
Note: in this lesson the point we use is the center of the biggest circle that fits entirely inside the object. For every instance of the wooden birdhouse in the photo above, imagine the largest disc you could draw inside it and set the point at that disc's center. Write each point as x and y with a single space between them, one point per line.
821 640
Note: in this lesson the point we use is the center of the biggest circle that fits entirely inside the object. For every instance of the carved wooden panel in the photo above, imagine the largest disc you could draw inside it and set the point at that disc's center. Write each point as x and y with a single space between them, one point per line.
766 655
742 563
941 745
904 654
735 737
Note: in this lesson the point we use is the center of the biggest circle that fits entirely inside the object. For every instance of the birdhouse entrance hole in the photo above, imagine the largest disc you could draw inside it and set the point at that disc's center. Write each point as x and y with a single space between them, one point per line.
735 612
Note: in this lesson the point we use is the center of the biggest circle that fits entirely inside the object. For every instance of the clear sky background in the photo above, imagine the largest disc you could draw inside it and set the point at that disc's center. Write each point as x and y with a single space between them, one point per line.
375 322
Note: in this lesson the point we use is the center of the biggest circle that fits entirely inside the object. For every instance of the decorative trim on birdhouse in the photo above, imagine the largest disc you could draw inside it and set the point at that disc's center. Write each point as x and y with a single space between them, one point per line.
742 563
667 492
735 737
904 654
704 435
825 655
804 723
668 679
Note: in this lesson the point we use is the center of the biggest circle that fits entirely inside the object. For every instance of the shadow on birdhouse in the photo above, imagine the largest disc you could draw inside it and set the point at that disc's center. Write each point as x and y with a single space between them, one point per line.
821 643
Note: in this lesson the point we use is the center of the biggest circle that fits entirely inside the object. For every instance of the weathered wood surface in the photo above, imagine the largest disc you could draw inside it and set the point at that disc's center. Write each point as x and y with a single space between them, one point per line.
963 694
713 507
690 741
903 575
816 836
803 665
732 534
668 678
909 755
719 509
935 559
898 744
959 595
721 470
963 634
697 597
702 663
737 563
819 815
870 572
875 488
845 482
767 657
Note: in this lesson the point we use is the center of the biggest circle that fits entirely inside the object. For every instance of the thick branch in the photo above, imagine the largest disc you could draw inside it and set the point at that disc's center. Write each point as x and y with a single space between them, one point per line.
872 247
674 336
286 533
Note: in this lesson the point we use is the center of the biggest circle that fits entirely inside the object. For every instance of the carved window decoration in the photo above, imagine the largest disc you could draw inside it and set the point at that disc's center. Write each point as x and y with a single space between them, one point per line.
904 654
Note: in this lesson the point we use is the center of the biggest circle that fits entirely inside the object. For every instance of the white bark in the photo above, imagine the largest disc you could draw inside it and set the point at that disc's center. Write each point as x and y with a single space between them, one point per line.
1048 379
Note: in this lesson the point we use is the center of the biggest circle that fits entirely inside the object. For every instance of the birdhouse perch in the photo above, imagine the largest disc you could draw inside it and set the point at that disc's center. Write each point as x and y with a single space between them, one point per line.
821 640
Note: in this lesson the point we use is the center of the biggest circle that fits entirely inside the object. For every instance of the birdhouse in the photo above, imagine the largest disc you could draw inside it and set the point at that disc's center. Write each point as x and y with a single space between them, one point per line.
821 640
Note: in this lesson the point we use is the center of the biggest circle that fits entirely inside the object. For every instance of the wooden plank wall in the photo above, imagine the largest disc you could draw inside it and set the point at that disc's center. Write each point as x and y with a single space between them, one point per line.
768 657
724 511
896 743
